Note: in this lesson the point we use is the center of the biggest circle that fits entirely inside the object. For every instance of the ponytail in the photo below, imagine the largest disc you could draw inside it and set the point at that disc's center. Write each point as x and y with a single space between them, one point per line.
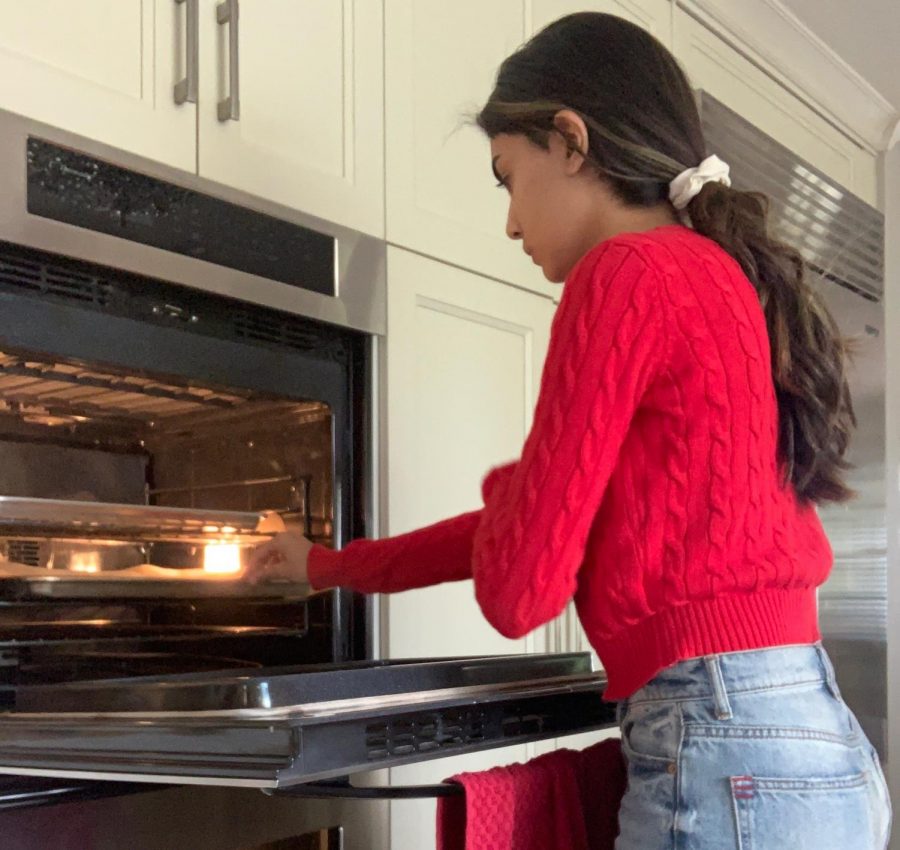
809 354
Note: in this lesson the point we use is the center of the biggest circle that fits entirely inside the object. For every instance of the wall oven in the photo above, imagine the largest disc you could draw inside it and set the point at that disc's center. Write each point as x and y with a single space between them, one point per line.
184 370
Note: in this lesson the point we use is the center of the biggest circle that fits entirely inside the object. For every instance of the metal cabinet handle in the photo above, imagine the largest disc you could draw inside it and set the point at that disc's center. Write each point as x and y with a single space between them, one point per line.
230 107
186 89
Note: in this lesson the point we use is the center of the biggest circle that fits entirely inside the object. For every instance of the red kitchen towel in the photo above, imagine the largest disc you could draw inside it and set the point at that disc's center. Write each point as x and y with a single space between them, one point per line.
564 799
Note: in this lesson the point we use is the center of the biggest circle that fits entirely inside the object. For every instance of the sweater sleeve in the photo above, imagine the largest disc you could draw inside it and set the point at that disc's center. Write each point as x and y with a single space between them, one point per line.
606 348
432 555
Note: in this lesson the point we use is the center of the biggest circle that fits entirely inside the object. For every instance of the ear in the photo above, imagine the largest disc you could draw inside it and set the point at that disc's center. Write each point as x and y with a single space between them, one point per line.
571 127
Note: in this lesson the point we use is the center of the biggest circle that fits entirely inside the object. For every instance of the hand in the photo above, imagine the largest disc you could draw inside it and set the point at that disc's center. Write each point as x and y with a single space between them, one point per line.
283 558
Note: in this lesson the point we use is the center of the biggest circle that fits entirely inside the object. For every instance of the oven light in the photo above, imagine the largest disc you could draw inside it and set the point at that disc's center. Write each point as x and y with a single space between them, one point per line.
84 562
222 558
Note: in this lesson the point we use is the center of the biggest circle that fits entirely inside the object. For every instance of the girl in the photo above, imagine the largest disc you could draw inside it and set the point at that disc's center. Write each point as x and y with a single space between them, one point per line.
693 412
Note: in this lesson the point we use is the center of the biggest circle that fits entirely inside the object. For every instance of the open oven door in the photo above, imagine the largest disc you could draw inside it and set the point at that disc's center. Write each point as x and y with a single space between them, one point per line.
279 727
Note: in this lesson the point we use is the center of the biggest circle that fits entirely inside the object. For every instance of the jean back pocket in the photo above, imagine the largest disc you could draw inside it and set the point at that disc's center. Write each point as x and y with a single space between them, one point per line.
828 813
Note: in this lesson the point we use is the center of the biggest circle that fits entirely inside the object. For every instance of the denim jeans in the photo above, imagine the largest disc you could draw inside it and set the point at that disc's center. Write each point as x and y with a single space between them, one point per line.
749 751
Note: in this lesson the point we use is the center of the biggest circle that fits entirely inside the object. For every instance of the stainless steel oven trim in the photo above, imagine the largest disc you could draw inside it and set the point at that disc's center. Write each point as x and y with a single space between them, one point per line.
376 453
361 295
154 778
333 709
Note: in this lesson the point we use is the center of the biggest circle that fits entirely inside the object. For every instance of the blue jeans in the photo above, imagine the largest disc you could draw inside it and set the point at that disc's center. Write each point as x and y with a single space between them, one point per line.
749 751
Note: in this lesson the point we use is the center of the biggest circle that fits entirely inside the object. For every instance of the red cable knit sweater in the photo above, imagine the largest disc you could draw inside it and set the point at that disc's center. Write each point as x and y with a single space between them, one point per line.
648 487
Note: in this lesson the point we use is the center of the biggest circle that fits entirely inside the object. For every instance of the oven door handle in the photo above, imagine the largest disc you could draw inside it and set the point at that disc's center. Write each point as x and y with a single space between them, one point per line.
344 789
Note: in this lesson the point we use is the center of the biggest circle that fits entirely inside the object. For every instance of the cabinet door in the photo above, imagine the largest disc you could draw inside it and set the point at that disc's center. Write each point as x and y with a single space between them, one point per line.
440 62
308 131
464 355
755 93
652 15
105 69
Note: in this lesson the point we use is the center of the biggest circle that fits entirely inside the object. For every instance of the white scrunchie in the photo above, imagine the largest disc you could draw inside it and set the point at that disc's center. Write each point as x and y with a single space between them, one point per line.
689 183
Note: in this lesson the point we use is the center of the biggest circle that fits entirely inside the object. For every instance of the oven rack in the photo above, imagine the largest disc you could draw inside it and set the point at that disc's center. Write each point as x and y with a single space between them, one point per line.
26 517
54 392
69 389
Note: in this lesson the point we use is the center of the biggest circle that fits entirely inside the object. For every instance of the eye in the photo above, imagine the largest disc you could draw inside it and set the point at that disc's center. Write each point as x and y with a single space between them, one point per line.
502 182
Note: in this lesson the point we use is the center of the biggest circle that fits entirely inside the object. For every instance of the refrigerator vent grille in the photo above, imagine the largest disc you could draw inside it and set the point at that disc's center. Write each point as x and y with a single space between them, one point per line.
840 236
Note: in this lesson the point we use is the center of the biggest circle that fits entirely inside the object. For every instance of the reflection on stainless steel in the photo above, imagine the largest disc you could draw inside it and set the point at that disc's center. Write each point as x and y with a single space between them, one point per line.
842 238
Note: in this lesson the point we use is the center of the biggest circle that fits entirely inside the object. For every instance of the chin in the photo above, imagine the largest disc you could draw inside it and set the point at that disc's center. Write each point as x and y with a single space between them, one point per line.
556 271
553 275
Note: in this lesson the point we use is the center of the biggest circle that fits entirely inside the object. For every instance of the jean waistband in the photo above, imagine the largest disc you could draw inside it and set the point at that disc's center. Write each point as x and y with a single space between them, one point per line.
733 672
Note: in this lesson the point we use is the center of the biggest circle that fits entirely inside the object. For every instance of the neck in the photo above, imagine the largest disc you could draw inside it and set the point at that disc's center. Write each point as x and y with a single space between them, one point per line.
635 220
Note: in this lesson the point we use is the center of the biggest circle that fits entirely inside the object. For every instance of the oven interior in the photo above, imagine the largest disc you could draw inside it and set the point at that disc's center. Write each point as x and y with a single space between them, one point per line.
75 432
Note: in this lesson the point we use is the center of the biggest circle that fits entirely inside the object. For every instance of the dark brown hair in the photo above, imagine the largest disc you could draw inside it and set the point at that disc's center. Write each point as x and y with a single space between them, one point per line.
643 130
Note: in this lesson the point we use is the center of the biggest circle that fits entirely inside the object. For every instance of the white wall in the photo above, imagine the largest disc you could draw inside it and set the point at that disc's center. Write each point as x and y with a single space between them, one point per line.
892 344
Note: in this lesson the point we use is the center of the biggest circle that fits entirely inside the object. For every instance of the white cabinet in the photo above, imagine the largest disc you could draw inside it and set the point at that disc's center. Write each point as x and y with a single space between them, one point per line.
717 67
105 69
308 130
464 357
440 62
306 78
652 15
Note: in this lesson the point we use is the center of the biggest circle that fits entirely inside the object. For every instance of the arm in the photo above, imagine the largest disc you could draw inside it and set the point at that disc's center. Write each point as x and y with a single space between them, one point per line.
432 555
606 348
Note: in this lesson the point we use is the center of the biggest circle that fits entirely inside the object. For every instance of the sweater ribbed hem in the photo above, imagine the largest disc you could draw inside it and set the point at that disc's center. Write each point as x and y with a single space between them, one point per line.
728 623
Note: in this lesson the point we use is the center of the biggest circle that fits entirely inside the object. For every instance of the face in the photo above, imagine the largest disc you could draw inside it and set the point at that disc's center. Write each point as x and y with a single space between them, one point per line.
556 206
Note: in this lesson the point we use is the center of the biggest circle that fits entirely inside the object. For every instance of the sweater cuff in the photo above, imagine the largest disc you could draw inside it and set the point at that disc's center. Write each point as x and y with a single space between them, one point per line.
323 567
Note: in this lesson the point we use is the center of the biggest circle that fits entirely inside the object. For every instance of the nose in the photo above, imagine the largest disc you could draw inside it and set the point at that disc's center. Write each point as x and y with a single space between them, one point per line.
513 231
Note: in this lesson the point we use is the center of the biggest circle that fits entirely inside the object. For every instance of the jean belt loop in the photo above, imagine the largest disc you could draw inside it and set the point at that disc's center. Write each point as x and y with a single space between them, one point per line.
828 670
720 694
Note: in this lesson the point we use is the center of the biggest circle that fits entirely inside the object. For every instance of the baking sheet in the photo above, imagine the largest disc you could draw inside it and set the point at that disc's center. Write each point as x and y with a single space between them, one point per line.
146 581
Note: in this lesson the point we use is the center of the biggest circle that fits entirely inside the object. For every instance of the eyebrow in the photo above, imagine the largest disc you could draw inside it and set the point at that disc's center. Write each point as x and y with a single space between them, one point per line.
494 168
